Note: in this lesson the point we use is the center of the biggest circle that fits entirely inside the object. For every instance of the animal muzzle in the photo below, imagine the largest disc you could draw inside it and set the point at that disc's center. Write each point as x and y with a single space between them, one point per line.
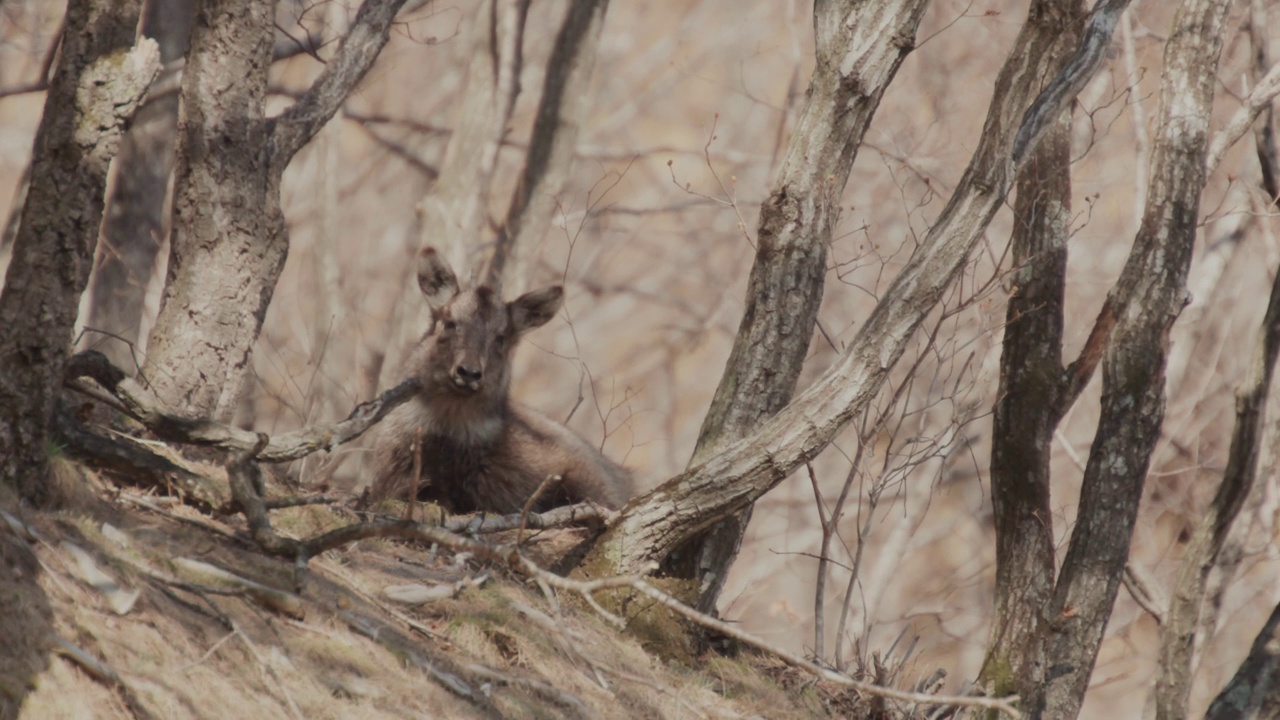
467 377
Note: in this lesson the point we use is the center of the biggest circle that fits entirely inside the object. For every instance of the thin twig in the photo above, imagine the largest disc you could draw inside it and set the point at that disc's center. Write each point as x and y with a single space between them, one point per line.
546 483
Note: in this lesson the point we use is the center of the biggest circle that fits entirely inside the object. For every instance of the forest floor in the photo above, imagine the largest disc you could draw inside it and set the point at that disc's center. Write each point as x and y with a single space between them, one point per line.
113 608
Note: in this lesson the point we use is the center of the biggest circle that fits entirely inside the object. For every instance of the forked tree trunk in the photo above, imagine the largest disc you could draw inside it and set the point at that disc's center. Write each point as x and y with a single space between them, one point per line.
456 209
95 89
562 107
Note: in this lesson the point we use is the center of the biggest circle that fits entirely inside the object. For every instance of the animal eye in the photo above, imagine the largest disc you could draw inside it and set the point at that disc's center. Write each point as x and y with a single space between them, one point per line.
450 325
500 341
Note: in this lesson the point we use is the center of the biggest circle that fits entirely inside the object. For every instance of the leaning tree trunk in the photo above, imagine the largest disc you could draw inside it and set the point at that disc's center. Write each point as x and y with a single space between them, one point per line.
96 88
859 48
229 239
654 525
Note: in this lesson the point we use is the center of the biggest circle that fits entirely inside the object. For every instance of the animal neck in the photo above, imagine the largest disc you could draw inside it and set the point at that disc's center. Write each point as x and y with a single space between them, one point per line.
466 420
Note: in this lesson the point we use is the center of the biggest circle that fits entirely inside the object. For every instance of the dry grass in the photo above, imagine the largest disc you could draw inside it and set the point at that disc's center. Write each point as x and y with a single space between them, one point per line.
182 653
653 241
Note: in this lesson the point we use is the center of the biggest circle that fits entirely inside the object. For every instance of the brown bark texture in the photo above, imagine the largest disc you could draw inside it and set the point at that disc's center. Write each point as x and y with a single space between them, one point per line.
1030 380
1254 691
1151 292
859 48
96 88
137 210
742 470
229 239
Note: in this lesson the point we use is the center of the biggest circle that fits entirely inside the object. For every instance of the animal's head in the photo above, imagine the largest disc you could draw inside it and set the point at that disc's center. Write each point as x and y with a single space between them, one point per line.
473 332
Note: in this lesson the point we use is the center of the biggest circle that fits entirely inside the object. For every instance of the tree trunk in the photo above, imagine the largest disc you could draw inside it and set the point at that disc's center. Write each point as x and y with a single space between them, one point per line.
96 88
1152 292
1254 691
1026 409
229 239
137 211
859 48
654 525
1185 616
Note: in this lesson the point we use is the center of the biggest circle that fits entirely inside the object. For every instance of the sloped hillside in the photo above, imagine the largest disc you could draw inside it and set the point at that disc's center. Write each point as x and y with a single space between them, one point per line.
115 607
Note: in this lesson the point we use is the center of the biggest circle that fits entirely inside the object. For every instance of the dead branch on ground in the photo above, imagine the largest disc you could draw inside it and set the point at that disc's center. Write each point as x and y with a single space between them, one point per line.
142 405
301 551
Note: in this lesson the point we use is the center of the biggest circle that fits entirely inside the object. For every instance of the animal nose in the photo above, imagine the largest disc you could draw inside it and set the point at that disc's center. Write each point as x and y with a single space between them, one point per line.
465 376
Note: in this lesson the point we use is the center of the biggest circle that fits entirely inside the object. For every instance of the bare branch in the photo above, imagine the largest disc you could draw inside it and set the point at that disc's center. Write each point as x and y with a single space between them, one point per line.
414 654
103 673
1144 592
564 103
144 407
1069 81
563 516
456 209
587 588
366 38
1258 101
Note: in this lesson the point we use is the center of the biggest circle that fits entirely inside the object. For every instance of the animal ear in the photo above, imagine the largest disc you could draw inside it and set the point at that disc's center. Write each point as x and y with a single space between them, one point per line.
436 278
535 309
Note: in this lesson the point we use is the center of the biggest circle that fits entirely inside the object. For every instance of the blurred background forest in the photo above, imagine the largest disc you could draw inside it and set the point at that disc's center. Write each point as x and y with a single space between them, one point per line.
692 103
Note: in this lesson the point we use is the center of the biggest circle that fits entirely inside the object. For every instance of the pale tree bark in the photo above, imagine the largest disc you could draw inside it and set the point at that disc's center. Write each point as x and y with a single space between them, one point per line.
229 239
859 48
137 212
1178 633
562 108
96 88
654 525
1150 295
455 212
1186 617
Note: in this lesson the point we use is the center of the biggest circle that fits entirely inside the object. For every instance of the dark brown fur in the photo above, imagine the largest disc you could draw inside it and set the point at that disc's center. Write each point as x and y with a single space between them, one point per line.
480 450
